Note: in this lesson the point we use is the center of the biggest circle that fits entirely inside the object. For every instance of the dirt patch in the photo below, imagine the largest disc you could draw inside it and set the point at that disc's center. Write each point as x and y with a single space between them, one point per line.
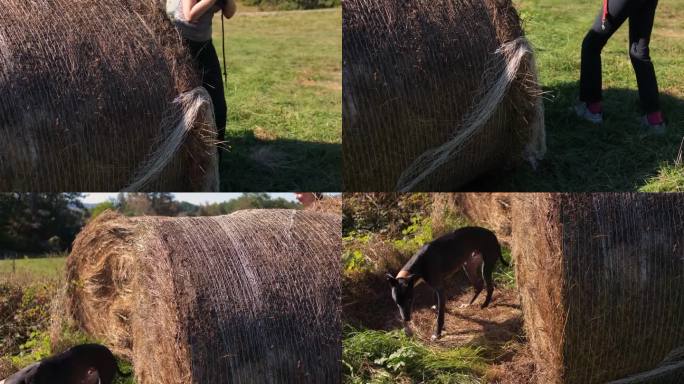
264 134
497 324
520 369
332 82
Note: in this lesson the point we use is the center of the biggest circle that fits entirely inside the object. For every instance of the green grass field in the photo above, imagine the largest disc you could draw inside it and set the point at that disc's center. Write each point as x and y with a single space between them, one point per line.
32 270
615 156
284 97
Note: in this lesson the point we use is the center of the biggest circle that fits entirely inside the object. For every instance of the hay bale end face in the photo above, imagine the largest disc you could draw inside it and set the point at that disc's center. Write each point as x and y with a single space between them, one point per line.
601 278
490 210
252 297
436 92
100 96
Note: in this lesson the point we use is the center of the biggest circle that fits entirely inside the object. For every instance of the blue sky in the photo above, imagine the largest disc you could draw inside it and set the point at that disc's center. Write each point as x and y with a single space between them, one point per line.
194 198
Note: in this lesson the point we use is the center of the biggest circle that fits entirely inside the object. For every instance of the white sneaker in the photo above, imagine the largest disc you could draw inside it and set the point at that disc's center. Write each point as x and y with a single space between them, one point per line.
584 113
652 129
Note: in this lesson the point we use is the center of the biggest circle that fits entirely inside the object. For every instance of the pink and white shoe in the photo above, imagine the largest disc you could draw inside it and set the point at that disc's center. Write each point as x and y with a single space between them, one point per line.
653 124
589 112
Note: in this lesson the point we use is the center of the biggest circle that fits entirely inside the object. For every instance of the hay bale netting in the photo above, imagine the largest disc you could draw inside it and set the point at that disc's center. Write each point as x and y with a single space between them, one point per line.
490 210
601 278
436 92
100 96
252 297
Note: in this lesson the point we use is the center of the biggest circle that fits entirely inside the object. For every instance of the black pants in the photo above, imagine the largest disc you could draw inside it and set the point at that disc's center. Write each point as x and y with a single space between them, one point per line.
640 14
207 63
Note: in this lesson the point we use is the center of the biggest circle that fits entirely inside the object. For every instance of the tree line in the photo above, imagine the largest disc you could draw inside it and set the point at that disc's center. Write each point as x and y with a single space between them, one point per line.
36 223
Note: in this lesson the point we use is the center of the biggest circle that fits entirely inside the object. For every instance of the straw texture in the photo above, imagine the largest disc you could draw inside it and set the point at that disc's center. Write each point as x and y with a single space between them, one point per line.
435 93
490 210
100 96
601 278
252 297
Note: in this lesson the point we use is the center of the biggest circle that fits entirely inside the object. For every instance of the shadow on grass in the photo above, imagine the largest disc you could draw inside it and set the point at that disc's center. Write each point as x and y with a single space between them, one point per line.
615 156
255 165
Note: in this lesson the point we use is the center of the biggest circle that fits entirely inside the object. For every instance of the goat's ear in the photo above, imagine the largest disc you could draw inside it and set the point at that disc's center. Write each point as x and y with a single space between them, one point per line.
391 279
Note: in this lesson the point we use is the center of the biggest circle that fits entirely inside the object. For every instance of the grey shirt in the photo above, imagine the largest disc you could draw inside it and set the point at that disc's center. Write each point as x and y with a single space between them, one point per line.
199 31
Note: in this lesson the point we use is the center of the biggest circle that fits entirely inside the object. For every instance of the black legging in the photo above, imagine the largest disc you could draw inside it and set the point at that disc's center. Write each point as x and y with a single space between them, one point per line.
208 65
641 14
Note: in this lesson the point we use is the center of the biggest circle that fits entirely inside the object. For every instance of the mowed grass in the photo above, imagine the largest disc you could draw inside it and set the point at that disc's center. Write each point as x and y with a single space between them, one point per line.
30 271
284 97
614 156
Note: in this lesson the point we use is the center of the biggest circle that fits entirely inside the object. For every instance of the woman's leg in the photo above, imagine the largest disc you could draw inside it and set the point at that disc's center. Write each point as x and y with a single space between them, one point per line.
640 27
594 41
210 70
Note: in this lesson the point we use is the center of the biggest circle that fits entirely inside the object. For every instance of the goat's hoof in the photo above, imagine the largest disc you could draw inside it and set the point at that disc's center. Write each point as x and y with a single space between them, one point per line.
435 337
434 307
464 306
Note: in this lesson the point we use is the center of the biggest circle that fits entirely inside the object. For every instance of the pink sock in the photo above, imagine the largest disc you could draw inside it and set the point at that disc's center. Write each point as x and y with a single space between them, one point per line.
655 118
595 107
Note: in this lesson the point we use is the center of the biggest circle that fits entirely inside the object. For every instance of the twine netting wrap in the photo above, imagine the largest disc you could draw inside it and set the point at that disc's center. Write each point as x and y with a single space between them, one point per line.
436 92
100 96
251 297
601 278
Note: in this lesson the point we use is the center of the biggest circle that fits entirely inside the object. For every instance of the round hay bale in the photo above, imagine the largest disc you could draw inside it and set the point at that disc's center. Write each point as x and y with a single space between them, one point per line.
436 92
100 96
601 278
251 297
491 210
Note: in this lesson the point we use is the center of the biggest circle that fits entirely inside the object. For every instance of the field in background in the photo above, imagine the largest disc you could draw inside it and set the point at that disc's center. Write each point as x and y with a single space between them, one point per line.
584 157
29 271
284 97
27 287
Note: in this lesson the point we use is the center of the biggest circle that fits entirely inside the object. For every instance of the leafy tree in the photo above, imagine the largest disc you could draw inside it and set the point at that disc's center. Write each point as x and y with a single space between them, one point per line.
39 222
247 201
98 209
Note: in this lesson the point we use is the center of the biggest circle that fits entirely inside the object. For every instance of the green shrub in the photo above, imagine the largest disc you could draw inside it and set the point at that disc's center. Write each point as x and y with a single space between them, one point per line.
371 356
24 328
504 276
293 4
414 236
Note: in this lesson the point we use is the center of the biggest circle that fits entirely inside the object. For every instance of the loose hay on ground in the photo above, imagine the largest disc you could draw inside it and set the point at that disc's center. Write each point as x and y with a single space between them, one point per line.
601 278
248 297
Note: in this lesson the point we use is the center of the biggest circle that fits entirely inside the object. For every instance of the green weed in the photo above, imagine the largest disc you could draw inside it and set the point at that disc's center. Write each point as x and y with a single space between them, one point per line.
371 356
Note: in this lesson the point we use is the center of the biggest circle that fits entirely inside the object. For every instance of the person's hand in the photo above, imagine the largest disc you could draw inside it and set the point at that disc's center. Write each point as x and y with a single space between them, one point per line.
194 10
229 8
